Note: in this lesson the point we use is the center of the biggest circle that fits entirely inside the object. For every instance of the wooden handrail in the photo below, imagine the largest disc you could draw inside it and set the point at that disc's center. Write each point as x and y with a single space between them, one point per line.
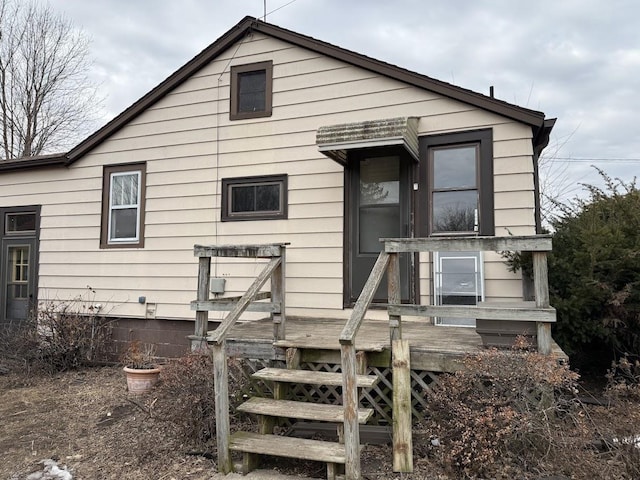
526 243
350 329
219 334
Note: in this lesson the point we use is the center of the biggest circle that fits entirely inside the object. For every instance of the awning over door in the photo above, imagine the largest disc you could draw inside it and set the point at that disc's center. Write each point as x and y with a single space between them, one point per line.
335 141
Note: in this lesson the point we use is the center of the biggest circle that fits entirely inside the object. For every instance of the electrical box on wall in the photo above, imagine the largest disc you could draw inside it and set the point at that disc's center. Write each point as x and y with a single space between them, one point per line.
216 285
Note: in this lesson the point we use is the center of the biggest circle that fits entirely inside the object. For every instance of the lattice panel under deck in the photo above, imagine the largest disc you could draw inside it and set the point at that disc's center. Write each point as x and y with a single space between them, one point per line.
379 397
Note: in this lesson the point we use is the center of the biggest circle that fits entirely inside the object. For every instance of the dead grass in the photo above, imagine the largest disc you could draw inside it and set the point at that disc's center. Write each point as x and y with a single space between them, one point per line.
87 421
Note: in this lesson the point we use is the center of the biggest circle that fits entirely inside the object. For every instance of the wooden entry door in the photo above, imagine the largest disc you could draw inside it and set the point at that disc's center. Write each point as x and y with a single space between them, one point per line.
378 206
18 268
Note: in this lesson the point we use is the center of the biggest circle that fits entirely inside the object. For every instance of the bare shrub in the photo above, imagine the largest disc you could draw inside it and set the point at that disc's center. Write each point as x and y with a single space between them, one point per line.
188 396
59 336
623 379
503 410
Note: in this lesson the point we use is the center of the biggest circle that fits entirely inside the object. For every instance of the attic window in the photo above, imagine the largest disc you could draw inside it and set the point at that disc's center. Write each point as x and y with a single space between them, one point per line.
251 90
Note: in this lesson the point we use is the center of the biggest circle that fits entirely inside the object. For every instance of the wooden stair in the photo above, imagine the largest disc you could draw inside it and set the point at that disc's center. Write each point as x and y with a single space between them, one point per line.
269 410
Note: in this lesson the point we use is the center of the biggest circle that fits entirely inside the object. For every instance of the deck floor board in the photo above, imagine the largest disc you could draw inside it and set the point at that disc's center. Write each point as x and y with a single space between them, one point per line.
436 347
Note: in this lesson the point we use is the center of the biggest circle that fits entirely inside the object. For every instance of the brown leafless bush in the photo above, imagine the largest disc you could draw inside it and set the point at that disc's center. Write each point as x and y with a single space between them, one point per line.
188 396
505 411
58 336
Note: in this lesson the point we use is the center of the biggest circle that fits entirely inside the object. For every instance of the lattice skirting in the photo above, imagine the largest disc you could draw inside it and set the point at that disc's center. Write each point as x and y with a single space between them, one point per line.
380 397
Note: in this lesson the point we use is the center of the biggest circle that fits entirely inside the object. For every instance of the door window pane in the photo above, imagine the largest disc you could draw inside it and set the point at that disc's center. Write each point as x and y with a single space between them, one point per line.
380 181
17 278
376 223
20 223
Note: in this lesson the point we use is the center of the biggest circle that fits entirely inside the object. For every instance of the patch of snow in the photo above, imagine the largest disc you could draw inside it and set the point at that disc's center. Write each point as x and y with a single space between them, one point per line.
51 472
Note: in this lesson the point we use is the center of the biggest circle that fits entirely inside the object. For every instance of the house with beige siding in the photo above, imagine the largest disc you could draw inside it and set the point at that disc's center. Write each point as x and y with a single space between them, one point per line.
269 136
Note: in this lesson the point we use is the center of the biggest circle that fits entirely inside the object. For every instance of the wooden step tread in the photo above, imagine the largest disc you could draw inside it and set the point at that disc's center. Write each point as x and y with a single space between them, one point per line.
303 410
291 447
311 377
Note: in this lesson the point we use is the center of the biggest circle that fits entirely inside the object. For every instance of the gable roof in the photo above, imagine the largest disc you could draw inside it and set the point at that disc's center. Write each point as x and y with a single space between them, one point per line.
248 24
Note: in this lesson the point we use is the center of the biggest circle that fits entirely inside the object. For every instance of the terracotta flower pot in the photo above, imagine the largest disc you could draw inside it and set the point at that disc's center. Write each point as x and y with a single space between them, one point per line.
141 380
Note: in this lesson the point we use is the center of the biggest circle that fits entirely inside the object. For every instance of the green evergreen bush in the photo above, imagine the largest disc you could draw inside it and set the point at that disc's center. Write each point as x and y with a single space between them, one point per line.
594 275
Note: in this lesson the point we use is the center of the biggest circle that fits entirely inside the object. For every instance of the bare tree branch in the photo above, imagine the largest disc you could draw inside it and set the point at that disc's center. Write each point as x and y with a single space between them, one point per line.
47 101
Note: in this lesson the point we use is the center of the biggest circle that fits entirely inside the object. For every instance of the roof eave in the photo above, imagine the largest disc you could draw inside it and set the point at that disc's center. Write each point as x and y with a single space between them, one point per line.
58 160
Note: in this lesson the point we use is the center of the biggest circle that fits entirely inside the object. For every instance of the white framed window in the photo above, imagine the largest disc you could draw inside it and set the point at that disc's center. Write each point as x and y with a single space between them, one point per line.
458 279
123 206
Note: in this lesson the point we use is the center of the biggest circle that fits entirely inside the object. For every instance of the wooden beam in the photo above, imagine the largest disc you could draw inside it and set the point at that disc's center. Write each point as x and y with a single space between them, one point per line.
220 332
202 317
226 306
278 289
221 389
540 279
529 243
486 311
350 404
394 295
248 251
541 289
402 438
543 337
364 300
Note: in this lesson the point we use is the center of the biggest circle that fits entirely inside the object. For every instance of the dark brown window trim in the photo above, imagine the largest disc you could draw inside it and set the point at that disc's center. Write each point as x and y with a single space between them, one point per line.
106 189
267 66
227 216
485 172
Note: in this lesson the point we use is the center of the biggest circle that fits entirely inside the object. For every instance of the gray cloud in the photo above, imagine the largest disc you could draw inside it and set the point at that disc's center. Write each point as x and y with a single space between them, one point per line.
578 60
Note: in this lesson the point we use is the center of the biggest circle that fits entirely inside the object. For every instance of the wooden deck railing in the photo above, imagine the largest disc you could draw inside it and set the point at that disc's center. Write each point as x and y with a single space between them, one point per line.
388 261
249 301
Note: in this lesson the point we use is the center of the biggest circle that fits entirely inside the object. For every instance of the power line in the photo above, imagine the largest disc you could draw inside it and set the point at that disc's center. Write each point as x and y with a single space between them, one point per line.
595 159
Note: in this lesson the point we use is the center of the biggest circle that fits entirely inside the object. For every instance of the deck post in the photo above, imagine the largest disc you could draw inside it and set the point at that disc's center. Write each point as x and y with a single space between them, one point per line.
402 439
541 288
221 387
350 404
394 295
199 339
278 296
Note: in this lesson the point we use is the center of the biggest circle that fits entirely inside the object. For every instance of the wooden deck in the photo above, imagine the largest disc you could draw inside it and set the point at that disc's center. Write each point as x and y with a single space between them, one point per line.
433 348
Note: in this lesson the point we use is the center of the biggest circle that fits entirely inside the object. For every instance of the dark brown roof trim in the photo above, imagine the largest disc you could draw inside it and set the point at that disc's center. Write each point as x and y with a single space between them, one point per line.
41 161
247 24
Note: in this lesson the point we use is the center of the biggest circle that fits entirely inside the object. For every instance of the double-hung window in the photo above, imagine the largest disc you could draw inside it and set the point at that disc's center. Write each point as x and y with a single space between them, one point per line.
123 206
457 183
254 198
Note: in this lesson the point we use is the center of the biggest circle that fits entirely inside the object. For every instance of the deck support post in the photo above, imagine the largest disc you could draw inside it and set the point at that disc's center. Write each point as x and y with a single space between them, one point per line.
350 404
199 338
277 296
541 287
393 286
402 438
221 387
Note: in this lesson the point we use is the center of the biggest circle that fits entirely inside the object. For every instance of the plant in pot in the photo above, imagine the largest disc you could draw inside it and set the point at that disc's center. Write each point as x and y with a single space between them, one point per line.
140 367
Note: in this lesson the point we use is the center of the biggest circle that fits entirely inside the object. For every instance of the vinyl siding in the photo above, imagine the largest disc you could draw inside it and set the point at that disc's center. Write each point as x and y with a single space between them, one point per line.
189 144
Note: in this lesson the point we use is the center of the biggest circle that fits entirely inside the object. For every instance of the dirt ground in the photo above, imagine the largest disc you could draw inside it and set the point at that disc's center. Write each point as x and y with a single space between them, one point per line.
88 422
85 420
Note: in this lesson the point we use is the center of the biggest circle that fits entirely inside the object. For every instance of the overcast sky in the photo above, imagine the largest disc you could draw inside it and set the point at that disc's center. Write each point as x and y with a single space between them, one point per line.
577 60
